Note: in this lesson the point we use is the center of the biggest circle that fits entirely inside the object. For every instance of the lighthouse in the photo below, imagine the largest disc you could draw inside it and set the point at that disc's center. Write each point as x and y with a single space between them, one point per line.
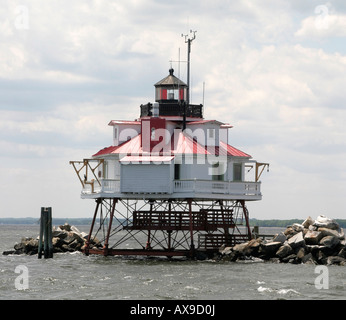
171 184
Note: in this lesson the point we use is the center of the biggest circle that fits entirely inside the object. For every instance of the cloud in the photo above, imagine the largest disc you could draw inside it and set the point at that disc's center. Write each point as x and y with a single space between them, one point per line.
267 68
323 25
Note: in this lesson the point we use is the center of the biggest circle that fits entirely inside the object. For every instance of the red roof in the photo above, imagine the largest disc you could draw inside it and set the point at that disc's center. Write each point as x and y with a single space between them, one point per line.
182 144
132 146
204 121
114 122
107 150
146 159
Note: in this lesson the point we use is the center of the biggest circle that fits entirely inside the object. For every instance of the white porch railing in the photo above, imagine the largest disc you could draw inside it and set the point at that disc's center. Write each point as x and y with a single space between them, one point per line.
218 187
107 186
110 185
188 186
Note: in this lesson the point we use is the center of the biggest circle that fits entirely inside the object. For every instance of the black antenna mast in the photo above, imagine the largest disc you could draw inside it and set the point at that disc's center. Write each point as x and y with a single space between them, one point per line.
188 41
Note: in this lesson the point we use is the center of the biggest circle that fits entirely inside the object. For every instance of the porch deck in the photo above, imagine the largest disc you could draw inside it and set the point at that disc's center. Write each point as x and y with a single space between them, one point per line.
194 188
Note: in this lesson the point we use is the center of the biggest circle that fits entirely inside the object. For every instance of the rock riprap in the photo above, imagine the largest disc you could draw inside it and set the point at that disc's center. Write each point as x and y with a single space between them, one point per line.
65 238
319 241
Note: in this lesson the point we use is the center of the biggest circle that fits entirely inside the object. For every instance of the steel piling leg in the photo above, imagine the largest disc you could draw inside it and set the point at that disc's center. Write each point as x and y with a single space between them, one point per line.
246 215
87 244
105 247
192 246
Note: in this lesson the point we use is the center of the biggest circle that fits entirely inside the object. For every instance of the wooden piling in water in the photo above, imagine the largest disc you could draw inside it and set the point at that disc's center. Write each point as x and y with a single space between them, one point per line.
45 243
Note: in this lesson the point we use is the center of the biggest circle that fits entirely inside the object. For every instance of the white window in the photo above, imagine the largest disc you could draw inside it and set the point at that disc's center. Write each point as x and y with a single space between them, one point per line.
211 133
237 172
218 171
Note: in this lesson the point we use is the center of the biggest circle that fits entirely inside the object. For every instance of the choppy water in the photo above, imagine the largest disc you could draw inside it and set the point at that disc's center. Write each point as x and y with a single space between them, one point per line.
76 276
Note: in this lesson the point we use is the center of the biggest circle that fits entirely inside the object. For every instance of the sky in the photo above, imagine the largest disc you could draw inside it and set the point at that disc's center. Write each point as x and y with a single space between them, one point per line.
274 69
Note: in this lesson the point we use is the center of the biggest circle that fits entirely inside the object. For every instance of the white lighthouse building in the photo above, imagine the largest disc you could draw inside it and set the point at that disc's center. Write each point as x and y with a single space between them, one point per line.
174 177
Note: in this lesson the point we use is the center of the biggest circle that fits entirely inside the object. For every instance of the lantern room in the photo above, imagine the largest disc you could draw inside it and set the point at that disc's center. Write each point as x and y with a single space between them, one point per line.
171 95
170 89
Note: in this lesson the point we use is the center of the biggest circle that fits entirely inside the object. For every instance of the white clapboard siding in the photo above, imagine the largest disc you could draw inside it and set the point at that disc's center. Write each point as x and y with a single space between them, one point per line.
146 178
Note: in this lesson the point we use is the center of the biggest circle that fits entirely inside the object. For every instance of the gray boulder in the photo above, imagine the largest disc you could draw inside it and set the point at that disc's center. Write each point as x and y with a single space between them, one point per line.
241 247
248 248
308 259
329 241
284 251
297 240
289 232
280 237
297 227
301 253
65 238
292 258
330 232
313 237
26 246
323 221
342 252
71 236
225 250
65 227
269 249
336 260
308 222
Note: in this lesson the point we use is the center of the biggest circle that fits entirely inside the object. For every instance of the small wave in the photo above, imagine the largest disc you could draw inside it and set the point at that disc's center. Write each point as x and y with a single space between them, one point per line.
280 291
285 291
264 289
250 260
50 279
191 288
148 281
67 253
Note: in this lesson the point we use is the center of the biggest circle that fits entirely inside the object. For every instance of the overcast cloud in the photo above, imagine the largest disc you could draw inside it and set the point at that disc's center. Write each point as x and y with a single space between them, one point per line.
273 69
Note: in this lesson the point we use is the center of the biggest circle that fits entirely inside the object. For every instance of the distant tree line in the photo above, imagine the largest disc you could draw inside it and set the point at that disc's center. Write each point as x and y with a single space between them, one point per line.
56 221
285 223
87 221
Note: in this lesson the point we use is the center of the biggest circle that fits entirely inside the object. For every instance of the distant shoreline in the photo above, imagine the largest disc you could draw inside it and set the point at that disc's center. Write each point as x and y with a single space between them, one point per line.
36 221
87 221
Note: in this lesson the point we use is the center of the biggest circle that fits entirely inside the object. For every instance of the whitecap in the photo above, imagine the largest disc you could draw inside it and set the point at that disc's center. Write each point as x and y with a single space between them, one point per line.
264 289
285 291
148 281
250 260
191 288
280 291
